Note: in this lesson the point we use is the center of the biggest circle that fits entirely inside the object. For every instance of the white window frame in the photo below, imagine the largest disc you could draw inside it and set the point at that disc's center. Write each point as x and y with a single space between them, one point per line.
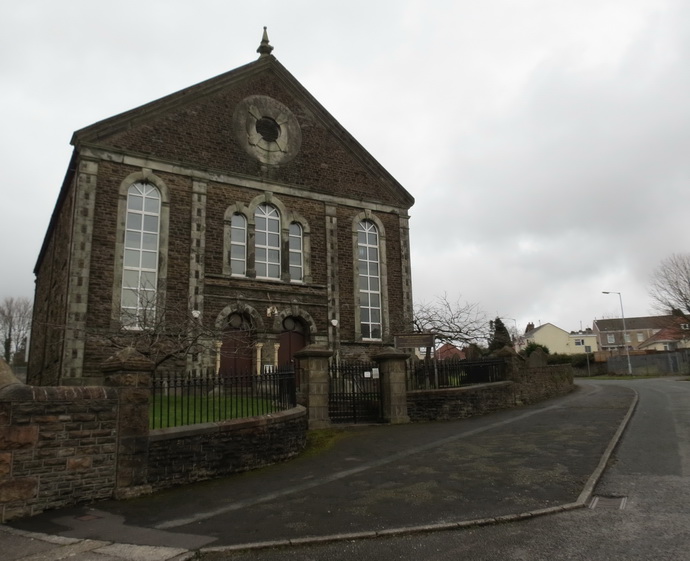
369 281
611 338
296 252
238 245
267 234
141 254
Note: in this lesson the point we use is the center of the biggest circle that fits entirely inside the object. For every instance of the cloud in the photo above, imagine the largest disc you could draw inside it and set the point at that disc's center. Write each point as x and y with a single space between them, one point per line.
545 141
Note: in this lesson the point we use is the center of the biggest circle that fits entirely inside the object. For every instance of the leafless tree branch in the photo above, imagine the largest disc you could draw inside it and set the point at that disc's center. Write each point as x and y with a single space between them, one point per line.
15 325
459 323
669 285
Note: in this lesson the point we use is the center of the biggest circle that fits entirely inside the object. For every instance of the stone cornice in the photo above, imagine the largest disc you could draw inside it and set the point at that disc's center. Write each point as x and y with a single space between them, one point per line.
95 152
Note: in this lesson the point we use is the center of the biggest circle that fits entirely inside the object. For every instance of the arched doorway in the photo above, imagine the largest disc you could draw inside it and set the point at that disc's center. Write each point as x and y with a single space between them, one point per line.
237 350
292 339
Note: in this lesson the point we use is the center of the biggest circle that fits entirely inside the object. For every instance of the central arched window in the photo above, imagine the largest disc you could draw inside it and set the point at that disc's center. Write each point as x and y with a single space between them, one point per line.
140 263
267 242
369 280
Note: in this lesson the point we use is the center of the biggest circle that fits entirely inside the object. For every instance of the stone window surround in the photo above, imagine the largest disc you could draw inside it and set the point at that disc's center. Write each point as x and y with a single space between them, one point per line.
145 192
238 223
287 217
383 274
143 176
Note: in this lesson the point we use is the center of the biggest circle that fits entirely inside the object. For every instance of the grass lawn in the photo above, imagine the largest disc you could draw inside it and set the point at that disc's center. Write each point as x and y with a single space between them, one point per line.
177 411
626 377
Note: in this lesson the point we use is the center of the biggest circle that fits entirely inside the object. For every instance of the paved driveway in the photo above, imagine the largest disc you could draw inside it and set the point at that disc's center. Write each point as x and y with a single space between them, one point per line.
378 478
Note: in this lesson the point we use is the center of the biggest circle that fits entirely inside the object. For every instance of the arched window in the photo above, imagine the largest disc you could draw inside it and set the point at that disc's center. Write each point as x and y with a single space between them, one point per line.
140 263
238 245
296 253
267 244
369 280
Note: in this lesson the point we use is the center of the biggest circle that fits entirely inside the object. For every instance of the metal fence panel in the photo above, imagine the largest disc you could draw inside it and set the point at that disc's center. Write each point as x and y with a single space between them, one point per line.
451 373
180 399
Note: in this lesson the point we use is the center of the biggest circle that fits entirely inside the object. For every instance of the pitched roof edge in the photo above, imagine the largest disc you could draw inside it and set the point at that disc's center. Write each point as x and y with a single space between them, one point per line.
126 120
62 195
343 135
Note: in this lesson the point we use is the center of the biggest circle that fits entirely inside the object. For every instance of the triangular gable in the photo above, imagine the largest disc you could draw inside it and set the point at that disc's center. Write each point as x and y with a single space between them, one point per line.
203 112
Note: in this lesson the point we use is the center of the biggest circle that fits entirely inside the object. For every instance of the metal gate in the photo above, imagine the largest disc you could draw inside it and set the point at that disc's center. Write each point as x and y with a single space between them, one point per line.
355 393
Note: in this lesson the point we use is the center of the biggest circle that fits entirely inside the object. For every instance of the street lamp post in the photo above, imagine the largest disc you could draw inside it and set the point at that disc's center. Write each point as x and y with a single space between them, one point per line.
625 331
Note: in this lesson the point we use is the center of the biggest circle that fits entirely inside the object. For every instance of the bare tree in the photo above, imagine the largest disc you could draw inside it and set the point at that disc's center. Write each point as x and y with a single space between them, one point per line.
15 325
669 286
170 335
161 334
452 322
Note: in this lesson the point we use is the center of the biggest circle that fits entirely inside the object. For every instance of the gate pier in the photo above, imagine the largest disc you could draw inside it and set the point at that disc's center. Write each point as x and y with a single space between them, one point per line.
392 364
313 363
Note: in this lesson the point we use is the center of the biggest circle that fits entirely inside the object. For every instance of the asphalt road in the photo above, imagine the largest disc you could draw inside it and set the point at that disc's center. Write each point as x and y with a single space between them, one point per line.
642 511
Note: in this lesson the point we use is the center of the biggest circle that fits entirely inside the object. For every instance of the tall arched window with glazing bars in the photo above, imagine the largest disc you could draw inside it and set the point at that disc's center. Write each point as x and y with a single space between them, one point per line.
369 280
267 242
140 263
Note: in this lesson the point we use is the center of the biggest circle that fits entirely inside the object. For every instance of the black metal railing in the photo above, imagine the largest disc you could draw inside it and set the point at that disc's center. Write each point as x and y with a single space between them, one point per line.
180 399
451 373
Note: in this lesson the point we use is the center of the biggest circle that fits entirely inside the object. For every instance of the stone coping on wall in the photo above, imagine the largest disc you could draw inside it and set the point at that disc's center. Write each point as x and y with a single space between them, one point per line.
457 389
156 435
22 392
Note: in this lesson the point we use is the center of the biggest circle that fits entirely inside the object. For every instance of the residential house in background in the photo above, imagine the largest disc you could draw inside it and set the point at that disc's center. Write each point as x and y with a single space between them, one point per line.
239 204
612 337
583 341
668 339
559 341
449 351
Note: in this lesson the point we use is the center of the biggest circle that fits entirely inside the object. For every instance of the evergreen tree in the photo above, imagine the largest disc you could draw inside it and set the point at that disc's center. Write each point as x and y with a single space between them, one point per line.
500 336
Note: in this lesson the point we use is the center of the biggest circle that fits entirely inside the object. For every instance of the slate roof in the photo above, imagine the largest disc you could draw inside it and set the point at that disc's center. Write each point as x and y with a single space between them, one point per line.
631 324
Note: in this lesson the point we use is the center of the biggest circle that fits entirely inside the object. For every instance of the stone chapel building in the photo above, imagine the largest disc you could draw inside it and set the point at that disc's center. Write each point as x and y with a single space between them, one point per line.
239 202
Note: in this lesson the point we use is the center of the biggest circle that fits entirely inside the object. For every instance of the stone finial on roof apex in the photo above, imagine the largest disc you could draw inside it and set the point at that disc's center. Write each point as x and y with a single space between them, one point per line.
264 48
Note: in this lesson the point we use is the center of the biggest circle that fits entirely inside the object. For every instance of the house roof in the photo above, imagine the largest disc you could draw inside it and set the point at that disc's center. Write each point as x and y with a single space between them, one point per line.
675 329
99 133
448 350
649 322
533 332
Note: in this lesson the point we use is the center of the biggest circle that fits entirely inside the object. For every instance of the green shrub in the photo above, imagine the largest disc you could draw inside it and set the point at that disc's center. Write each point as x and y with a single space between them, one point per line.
531 347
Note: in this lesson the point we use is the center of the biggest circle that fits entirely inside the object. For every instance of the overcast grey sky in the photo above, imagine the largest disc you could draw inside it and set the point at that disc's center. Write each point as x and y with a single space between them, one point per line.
547 142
